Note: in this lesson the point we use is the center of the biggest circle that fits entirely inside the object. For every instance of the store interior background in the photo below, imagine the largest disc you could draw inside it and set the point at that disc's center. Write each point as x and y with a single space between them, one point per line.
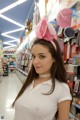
18 21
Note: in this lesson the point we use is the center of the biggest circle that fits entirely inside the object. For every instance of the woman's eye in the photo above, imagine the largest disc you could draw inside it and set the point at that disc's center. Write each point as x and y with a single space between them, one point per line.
33 56
42 56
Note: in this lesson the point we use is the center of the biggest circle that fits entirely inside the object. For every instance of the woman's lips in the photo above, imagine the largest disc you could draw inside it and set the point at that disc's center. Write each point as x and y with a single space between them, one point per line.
37 67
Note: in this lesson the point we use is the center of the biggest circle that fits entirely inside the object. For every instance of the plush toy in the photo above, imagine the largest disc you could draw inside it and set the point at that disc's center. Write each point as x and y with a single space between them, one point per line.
28 27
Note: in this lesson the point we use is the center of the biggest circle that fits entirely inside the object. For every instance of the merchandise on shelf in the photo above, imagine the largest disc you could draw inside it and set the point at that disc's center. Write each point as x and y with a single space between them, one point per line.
5 69
28 27
1 60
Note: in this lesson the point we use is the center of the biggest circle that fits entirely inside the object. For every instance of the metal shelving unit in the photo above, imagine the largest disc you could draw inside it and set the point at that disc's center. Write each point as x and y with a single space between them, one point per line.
76 105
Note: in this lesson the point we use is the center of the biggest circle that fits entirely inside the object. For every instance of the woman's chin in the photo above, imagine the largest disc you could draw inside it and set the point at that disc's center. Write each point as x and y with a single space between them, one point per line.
37 71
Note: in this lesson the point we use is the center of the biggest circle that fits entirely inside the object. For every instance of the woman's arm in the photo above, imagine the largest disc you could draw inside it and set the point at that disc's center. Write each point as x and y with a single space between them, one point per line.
63 110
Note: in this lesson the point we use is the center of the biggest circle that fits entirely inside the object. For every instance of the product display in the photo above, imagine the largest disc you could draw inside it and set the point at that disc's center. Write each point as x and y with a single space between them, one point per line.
1 60
1 68
71 56
69 32
5 69
64 17
9 57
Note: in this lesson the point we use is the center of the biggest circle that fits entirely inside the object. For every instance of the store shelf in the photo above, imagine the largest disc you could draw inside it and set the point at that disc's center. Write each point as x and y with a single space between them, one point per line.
75 65
76 105
74 3
71 73
22 71
9 54
71 116
28 40
21 74
11 66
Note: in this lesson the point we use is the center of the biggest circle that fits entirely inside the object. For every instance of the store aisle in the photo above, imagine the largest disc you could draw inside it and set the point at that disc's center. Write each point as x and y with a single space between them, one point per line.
9 88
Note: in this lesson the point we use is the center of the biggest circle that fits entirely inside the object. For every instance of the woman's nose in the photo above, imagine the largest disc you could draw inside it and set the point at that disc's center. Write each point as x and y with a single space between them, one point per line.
36 61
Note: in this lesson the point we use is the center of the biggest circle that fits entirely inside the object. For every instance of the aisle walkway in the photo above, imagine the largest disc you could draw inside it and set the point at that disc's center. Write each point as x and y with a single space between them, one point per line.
9 88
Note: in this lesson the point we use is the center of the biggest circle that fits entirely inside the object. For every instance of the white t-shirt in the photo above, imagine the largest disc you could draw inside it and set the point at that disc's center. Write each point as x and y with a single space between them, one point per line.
34 105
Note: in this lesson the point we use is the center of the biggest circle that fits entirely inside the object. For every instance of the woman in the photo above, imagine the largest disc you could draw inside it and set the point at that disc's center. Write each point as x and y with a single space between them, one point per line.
45 91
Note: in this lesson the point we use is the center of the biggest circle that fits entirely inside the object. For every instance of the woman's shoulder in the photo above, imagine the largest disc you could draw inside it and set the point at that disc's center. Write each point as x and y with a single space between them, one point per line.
61 84
63 91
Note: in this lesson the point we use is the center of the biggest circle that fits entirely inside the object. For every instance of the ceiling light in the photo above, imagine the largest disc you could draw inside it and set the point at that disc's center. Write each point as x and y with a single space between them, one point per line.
13 31
10 41
10 20
8 8
12 6
20 1
10 37
9 46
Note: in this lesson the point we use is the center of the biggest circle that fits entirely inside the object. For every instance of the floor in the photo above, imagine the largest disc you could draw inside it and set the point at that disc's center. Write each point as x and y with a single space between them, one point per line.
9 87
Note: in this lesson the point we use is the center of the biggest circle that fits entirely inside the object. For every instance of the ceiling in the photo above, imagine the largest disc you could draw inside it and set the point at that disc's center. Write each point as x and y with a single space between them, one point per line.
19 14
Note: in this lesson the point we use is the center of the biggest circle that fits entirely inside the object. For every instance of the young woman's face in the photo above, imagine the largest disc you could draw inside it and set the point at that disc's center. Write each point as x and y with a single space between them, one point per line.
41 59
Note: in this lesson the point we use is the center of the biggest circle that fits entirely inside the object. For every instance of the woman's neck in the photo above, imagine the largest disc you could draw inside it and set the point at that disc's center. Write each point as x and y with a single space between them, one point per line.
42 78
45 75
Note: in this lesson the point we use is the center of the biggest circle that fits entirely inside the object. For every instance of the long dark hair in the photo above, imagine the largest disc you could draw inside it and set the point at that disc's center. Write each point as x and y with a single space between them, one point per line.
57 69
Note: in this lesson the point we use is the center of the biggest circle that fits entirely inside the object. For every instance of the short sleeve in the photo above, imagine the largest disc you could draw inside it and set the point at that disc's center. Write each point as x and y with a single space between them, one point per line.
64 93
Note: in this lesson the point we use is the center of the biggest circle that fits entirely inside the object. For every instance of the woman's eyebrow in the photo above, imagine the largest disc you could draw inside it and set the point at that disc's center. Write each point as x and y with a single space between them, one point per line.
39 53
42 53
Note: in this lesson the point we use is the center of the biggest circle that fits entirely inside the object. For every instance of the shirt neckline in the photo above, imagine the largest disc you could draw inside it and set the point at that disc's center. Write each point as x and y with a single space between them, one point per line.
49 82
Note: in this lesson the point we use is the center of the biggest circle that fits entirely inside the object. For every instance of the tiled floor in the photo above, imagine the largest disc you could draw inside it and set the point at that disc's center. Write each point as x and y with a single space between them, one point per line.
9 88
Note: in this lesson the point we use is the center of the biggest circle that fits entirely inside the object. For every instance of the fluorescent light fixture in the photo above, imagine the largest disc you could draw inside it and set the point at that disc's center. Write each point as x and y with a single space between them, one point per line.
12 6
13 31
20 1
10 41
12 21
14 39
10 44
10 37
